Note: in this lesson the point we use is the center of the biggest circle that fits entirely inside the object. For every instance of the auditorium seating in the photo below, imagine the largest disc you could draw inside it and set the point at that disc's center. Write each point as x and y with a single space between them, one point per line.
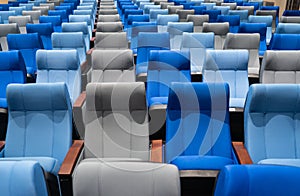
44 31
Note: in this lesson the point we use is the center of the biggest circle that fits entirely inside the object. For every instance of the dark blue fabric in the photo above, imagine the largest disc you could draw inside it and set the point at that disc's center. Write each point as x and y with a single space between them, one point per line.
44 30
285 42
213 14
233 20
198 9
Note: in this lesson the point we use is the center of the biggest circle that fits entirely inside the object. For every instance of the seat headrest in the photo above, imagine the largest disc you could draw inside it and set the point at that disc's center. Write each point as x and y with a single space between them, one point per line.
164 19
41 29
242 41
281 60
177 28
75 27
80 18
57 60
123 96
169 60
38 97
9 29
68 40
146 39
198 40
218 28
24 41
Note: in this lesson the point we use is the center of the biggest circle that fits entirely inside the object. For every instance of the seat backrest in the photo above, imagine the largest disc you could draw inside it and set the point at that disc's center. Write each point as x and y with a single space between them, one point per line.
116 121
198 21
108 41
173 8
62 13
176 30
70 41
219 29
44 9
249 8
266 20
288 28
32 106
109 27
21 21
291 13
242 13
164 67
12 70
44 30
78 27
213 14
164 5
270 127
35 15
138 27
233 20
18 10
257 180
6 29
209 6
54 20
28 176
228 66
280 67
268 13
155 12
289 19
249 41
197 44
285 42
30 44
112 66
198 121
183 14
231 5
162 21
224 9
60 66
5 14
163 178
109 18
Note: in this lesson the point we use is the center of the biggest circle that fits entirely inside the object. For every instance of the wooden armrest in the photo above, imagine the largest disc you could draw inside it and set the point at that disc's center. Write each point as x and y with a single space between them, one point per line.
84 65
80 100
2 143
242 153
71 158
89 52
156 152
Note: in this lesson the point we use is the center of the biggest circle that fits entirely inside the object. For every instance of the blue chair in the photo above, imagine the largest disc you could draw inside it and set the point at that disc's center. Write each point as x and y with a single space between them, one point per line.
233 20
176 30
271 132
146 43
44 31
82 18
38 129
254 4
213 14
248 180
291 13
162 21
209 6
224 9
138 27
27 44
62 13
60 66
256 28
147 8
242 13
18 10
285 42
197 44
86 12
164 67
78 27
131 12
54 20
276 8
229 66
70 41
22 178
288 28
12 70
263 19
198 9
197 126
155 12
5 14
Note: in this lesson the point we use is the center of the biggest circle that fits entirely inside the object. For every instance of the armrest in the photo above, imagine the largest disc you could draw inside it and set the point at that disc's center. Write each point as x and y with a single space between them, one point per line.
89 52
84 65
70 160
241 153
156 152
2 143
80 100
92 42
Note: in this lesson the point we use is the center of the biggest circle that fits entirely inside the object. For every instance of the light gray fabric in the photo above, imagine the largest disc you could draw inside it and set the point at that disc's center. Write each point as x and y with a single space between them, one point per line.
44 9
7 29
164 5
183 14
126 179
110 41
109 26
173 8
268 13
231 5
198 21
249 8
109 18
112 66
116 121
220 30
50 5
108 11
290 19
246 41
21 21
280 67
35 15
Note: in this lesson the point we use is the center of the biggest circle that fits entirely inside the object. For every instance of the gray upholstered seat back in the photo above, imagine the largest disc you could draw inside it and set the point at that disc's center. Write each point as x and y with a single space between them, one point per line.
116 121
280 67
111 41
112 66
220 30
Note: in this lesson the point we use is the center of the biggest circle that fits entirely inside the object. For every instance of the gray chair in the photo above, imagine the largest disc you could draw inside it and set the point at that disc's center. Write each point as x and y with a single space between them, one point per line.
44 9
164 5
108 11
35 15
249 8
280 67
109 27
173 8
268 13
246 41
109 18
290 19
7 29
231 5
198 21
108 41
154 179
183 14
21 21
220 30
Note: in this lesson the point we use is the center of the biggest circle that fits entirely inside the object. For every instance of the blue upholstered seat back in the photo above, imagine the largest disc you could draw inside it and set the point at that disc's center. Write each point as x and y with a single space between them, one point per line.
198 120
272 116
44 30
285 42
40 121
78 27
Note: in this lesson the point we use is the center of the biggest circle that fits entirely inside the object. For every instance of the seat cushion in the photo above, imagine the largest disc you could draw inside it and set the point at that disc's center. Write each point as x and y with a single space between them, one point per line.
201 162
49 164
288 162
158 101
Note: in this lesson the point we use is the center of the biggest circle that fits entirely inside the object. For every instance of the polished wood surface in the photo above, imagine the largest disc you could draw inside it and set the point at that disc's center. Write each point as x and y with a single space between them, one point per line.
241 153
156 152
